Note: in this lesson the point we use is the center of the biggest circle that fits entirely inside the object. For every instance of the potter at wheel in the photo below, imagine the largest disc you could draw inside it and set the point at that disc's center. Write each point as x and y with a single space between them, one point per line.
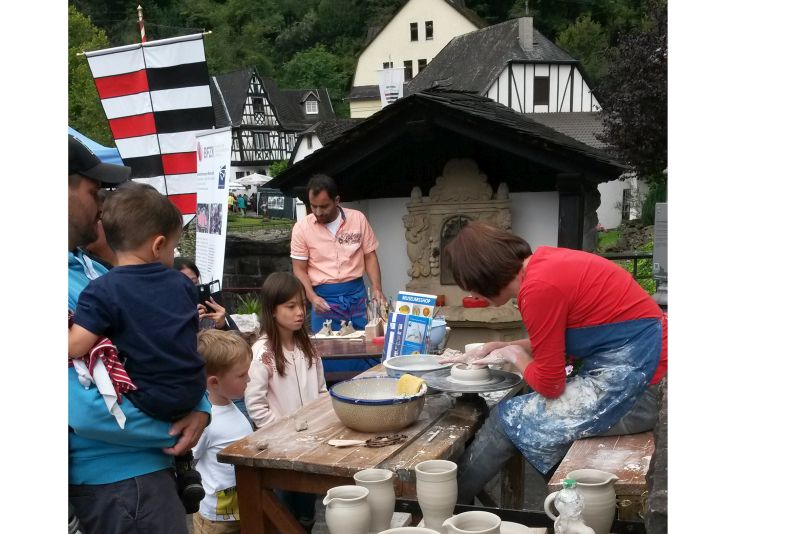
442 381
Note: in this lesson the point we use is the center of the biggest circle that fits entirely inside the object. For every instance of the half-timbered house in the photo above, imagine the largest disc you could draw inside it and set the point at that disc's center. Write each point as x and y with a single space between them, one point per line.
265 120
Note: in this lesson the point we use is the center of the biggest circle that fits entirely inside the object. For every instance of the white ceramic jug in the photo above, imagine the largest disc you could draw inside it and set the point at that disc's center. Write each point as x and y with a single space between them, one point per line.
473 523
599 498
346 510
380 483
409 530
437 491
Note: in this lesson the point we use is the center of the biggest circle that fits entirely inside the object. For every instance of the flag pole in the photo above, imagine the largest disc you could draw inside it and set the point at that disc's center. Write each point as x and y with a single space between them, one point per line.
141 23
209 32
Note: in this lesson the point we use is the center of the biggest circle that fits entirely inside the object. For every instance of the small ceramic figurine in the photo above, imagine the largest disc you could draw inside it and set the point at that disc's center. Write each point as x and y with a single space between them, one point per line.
326 328
346 328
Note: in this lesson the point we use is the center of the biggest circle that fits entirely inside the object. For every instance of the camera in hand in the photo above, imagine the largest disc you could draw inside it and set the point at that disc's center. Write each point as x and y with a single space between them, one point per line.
205 291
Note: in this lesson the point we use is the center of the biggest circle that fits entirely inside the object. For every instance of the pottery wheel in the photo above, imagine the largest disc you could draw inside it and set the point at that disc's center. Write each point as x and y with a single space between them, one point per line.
385 441
441 381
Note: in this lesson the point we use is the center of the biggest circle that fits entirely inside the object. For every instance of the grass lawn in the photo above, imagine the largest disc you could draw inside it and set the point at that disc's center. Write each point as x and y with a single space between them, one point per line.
606 239
257 222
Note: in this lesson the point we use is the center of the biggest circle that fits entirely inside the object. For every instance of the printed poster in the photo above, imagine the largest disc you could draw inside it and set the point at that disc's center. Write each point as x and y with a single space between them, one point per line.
213 179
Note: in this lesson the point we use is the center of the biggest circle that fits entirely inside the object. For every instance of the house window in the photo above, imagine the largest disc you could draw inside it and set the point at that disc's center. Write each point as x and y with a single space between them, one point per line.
626 204
239 174
428 30
421 64
258 105
409 66
414 36
311 107
541 90
388 64
308 141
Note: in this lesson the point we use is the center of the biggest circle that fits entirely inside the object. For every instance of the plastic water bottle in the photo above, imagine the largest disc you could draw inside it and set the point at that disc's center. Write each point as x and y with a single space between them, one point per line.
569 503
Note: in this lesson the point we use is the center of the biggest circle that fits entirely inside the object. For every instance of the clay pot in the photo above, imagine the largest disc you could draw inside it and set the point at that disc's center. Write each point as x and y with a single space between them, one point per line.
599 498
473 523
381 497
347 510
463 373
437 491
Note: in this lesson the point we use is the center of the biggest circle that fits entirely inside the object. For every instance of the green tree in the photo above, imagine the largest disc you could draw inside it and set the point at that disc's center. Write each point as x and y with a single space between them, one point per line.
317 67
84 111
587 42
634 97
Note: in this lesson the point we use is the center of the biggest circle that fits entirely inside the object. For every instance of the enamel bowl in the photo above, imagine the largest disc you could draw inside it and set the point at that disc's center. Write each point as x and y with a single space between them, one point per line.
371 404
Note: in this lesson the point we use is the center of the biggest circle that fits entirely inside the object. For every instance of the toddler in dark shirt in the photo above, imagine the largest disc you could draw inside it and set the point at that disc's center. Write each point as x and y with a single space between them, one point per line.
149 311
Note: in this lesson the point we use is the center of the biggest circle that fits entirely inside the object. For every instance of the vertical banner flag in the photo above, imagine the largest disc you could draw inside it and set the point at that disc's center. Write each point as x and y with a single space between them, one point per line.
390 82
156 98
213 157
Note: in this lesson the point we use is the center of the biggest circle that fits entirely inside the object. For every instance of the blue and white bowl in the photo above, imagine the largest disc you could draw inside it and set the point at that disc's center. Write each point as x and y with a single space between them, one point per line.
372 405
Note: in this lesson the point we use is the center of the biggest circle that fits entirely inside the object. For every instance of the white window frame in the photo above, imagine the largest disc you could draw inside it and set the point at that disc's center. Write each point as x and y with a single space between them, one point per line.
312 107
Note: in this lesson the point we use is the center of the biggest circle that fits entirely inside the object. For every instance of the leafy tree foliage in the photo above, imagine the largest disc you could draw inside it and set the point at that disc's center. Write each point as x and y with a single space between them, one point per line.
84 111
634 97
587 42
316 67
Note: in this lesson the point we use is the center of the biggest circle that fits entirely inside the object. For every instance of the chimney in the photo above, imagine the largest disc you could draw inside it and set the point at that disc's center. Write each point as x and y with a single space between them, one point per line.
525 25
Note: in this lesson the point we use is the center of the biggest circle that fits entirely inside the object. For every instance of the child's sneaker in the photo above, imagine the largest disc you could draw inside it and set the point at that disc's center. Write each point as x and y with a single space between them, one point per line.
190 487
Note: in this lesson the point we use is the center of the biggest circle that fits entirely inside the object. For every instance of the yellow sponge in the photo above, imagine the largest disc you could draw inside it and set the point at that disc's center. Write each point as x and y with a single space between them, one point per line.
409 385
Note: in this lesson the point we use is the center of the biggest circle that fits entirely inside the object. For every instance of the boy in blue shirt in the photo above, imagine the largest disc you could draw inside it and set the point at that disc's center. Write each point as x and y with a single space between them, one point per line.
149 311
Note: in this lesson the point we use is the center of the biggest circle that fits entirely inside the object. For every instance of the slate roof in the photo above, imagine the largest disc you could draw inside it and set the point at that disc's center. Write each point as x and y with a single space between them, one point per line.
462 113
364 92
583 126
329 130
471 62
228 101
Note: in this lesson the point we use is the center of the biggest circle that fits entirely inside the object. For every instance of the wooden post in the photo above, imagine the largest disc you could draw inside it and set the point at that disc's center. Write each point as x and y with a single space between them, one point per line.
248 491
140 11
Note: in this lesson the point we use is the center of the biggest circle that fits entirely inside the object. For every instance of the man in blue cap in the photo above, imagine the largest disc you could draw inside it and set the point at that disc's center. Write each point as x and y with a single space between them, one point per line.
121 481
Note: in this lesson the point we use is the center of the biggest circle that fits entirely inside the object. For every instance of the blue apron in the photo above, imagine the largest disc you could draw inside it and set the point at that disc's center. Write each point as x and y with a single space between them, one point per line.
618 362
348 302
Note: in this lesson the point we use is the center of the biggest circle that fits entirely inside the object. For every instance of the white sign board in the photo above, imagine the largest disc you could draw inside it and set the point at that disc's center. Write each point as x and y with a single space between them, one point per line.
213 175
390 83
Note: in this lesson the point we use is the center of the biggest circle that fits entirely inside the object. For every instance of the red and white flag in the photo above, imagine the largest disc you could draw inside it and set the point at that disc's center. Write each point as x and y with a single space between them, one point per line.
156 98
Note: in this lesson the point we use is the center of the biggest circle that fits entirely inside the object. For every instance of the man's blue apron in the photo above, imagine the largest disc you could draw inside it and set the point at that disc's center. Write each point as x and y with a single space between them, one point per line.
348 302
618 362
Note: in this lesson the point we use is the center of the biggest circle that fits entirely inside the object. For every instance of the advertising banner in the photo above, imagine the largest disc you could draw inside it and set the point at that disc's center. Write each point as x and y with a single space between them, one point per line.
213 175
390 82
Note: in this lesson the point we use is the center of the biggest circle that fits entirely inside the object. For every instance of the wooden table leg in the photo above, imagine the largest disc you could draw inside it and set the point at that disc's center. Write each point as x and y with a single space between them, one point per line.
280 519
248 490
512 483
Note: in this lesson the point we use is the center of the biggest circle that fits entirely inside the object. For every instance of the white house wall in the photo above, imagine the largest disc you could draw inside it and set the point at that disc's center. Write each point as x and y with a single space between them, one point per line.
534 217
568 90
394 42
303 150
609 214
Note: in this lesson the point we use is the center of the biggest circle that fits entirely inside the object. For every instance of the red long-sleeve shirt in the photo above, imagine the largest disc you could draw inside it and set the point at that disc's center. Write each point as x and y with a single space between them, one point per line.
565 288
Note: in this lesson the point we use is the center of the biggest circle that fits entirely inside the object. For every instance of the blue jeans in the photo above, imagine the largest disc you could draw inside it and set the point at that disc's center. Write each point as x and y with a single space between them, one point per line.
147 503
491 448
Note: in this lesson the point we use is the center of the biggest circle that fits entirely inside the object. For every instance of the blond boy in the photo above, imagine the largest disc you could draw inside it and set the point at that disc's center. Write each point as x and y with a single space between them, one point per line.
227 357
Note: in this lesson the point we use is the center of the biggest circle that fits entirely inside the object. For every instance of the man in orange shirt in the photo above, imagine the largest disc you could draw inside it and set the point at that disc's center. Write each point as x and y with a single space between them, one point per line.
331 249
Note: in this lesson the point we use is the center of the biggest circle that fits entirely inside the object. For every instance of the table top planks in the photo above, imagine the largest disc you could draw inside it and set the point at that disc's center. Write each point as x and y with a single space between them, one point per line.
441 431
628 457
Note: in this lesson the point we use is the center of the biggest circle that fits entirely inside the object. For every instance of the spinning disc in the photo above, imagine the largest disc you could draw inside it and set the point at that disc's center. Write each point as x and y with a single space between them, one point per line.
442 381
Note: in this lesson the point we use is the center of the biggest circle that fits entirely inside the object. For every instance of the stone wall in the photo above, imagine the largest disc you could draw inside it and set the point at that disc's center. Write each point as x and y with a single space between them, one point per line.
249 261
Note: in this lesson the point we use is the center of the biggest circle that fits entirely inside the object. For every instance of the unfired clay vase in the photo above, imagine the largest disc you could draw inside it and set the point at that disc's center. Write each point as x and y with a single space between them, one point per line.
473 523
437 491
380 483
463 373
599 498
347 510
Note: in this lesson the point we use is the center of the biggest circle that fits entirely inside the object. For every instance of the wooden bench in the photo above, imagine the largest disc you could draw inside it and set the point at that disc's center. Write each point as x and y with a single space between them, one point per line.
628 457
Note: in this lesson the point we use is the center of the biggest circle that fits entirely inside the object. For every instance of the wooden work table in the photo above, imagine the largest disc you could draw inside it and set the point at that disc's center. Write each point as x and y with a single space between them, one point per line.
346 349
303 461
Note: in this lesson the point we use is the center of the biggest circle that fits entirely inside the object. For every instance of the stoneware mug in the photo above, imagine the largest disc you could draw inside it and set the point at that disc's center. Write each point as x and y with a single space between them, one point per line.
380 483
437 491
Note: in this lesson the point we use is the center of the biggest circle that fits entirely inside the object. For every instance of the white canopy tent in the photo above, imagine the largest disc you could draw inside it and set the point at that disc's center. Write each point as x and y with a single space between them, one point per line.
253 179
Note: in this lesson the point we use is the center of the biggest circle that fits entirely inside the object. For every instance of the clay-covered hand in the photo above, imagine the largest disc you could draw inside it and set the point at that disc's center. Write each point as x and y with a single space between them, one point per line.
319 304
513 354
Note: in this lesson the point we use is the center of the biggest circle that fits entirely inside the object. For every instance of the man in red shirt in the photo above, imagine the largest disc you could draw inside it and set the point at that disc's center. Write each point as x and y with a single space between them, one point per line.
573 304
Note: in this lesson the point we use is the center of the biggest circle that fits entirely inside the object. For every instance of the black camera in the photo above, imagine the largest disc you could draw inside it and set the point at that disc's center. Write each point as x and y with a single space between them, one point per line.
205 291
